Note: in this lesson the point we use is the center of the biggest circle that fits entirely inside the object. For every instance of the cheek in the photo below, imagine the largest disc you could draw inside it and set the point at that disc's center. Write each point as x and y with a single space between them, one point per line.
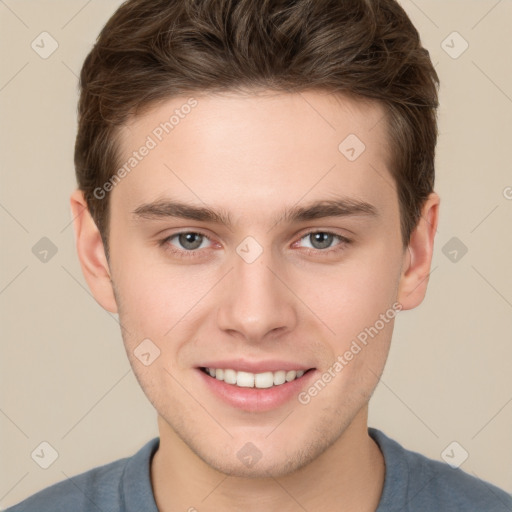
155 296
357 304
351 296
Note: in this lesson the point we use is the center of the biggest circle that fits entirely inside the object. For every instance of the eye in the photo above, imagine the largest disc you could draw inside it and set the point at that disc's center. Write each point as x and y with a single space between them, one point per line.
322 240
186 241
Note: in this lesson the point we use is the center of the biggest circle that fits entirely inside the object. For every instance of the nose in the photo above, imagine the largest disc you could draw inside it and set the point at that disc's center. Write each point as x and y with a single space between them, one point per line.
256 304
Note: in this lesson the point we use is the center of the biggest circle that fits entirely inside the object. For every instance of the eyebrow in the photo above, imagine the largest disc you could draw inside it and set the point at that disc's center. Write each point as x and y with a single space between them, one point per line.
344 207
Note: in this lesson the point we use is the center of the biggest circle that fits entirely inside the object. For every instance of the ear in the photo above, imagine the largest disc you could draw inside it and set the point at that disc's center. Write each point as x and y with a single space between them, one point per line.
418 257
91 253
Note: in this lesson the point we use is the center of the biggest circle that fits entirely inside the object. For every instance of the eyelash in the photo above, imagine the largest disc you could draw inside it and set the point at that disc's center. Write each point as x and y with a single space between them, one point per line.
311 252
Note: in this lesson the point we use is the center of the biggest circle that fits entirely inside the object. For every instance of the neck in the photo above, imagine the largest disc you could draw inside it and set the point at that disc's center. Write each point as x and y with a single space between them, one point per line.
348 476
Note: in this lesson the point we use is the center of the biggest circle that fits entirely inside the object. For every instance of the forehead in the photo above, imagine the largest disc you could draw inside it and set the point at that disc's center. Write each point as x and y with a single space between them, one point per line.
255 150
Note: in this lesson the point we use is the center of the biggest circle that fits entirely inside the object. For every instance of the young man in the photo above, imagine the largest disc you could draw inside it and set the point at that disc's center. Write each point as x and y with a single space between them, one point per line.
255 200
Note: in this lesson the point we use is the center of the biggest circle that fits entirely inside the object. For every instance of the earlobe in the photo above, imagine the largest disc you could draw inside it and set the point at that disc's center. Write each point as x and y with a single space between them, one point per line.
91 253
416 268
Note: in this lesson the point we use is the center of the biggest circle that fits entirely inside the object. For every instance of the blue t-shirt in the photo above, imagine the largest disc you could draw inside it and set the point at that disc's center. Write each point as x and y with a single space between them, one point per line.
413 483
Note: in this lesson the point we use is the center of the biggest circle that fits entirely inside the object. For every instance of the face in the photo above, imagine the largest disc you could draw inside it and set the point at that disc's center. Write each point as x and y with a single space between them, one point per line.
254 238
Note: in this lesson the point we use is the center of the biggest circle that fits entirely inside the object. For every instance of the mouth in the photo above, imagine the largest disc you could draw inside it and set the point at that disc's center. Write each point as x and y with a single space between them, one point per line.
252 385
263 380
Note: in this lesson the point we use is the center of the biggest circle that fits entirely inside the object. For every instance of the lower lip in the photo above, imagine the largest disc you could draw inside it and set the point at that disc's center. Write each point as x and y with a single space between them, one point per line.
256 399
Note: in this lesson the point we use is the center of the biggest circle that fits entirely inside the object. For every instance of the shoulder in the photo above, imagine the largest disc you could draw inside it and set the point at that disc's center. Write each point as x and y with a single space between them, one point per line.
79 493
424 484
100 488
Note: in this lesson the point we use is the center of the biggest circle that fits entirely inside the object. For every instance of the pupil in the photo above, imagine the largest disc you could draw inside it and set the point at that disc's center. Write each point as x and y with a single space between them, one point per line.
190 240
321 240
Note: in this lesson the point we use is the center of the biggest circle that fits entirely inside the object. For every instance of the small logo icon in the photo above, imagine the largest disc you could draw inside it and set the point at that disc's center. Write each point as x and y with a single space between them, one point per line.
44 455
249 249
454 249
351 147
146 352
44 250
454 454
249 454
44 45
454 45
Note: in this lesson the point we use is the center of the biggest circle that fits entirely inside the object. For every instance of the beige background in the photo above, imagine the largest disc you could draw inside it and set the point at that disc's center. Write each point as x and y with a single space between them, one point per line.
65 377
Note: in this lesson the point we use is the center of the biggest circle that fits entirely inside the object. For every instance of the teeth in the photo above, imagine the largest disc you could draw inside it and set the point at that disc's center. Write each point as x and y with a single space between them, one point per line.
254 380
291 375
279 377
264 380
245 380
230 376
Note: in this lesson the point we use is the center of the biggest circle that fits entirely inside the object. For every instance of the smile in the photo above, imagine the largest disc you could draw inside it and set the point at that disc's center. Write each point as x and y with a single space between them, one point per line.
254 380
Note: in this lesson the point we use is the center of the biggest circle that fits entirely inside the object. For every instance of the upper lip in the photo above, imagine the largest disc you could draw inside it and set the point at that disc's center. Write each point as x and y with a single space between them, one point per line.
244 365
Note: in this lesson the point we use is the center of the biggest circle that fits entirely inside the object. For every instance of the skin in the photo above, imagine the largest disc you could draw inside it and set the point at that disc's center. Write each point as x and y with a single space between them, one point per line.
252 156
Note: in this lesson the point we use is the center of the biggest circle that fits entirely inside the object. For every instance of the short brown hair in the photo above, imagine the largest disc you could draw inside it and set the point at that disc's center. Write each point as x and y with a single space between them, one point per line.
152 50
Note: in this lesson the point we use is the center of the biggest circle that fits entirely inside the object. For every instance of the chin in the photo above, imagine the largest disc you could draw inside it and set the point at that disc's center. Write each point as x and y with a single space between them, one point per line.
243 458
